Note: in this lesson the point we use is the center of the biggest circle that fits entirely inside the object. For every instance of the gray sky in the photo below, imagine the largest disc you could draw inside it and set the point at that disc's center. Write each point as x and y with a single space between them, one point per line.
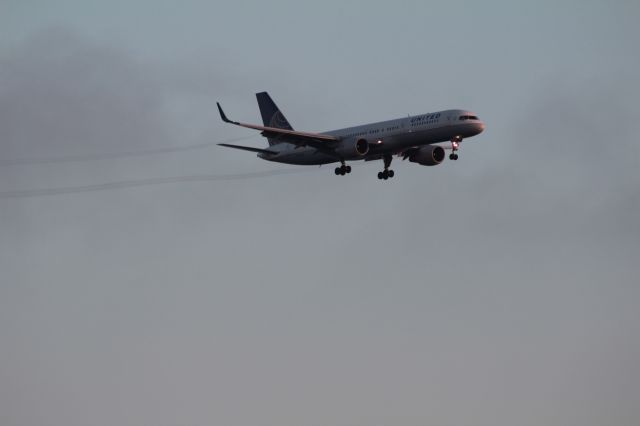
500 289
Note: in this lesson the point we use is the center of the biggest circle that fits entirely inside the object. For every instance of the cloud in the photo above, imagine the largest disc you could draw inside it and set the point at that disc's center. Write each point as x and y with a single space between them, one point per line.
62 94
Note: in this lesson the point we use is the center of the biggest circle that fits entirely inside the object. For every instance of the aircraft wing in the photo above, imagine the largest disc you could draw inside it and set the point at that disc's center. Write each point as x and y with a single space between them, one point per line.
317 140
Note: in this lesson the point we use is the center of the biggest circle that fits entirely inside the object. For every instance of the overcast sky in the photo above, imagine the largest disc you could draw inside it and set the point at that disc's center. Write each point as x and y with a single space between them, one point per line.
500 289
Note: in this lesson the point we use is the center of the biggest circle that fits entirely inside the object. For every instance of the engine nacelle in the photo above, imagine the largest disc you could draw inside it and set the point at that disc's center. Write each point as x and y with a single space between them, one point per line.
430 155
353 148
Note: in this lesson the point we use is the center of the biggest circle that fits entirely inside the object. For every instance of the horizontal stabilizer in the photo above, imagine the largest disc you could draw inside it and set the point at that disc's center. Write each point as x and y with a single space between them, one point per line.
248 148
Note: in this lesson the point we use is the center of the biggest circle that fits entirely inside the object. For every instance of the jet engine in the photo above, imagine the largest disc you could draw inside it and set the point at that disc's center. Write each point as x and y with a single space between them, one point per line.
430 155
353 148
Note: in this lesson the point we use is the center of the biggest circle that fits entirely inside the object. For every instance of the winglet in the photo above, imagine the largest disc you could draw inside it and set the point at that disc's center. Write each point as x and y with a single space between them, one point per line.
222 114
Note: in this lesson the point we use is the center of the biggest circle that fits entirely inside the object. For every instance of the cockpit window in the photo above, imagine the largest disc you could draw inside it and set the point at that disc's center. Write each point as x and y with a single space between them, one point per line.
467 117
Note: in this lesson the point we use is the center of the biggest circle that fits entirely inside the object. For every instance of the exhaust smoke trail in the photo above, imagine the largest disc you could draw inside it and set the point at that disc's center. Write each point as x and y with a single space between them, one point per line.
41 192
97 157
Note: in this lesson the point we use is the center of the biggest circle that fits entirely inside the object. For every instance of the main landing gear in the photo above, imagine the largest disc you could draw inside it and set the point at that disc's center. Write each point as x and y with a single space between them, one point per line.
386 173
343 169
455 144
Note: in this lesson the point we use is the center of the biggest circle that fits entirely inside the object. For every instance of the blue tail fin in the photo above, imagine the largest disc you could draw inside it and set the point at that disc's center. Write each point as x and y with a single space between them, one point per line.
271 115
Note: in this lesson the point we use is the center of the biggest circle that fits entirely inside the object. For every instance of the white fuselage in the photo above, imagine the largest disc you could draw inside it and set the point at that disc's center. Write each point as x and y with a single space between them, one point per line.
387 137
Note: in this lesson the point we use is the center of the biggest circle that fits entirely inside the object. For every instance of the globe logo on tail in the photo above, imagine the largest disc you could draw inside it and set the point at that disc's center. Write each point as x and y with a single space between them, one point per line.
278 121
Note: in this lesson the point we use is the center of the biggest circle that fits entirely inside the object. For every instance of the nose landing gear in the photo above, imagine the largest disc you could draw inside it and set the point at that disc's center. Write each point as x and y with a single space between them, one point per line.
455 144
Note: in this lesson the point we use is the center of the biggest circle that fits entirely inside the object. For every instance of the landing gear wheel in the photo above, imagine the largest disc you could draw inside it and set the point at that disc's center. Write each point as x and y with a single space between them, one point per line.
453 157
385 174
342 170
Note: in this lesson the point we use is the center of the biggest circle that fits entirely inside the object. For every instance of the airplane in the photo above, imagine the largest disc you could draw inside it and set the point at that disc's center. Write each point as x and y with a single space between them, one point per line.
414 138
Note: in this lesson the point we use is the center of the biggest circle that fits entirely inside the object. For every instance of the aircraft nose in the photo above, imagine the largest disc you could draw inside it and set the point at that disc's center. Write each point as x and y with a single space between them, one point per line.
481 127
